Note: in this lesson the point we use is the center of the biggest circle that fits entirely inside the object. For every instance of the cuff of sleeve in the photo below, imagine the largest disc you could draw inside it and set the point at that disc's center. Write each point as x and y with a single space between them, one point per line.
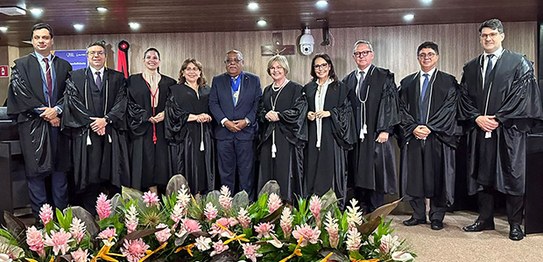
223 121
58 109
248 121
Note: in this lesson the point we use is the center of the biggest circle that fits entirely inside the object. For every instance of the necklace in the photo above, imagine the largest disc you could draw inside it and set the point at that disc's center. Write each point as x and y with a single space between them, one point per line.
278 87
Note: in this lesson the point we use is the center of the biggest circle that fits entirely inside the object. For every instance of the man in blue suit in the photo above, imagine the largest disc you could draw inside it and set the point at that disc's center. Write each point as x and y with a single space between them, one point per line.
233 101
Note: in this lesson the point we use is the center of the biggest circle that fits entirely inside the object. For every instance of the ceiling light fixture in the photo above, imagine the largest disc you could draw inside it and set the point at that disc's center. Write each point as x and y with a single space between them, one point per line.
321 4
36 12
408 17
3 29
12 10
134 25
426 2
252 6
262 23
79 27
101 9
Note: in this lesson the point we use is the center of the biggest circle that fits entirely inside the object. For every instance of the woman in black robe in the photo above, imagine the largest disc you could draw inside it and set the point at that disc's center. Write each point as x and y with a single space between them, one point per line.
331 130
147 94
188 128
281 125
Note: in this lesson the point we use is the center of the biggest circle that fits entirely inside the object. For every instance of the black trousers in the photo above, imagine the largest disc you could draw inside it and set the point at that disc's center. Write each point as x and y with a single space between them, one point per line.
513 204
369 199
236 159
437 212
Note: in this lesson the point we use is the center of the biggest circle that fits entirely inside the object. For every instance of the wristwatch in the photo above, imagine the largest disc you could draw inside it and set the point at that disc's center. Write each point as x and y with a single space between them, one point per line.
107 119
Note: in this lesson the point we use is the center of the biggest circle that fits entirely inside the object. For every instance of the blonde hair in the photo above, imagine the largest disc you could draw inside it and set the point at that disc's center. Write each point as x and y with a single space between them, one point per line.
281 60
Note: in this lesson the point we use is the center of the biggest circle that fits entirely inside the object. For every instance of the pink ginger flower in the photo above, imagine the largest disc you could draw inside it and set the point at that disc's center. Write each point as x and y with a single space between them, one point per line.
164 234
134 250
218 247
315 206
203 243
310 235
77 229
354 239
222 231
80 255
131 219
183 197
107 234
286 222
251 251
274 202
264 229
177 213
59 241
103 206
210 211
243 218
191 226
46 214
35 241
225 199
332 227
150 199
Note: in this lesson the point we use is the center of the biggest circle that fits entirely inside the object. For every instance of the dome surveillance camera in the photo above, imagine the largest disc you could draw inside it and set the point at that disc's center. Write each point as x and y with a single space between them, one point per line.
307 42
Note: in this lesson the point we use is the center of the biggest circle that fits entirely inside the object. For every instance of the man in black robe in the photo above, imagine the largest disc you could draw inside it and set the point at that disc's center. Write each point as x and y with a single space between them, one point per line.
500 103
96 101
374 98
428 111
35 99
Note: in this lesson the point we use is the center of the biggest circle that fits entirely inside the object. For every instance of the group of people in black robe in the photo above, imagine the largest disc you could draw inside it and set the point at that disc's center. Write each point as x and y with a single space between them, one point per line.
326 135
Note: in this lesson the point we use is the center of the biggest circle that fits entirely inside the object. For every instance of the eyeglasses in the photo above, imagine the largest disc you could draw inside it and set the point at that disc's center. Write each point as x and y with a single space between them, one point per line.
492 35
98 53
276 68
429 55
362 53
321 66
229 61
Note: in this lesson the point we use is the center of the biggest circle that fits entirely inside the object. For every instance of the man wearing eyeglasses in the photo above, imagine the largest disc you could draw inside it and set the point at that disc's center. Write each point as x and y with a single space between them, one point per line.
500 103
374 98
428 100
95 115
233 101
35 99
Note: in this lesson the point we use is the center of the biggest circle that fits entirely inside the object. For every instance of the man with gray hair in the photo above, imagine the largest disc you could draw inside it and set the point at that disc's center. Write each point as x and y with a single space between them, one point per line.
233 101
374 98
500 103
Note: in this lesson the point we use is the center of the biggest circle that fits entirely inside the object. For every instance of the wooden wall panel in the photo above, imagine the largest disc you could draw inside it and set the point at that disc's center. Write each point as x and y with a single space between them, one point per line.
395 47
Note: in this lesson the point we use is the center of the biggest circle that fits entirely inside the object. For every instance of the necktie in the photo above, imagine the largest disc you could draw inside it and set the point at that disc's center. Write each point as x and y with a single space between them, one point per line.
48 78
422 96
489 67
360 82
98 80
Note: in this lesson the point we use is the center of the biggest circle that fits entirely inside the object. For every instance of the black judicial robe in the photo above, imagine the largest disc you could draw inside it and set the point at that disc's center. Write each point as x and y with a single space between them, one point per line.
427 166
514 98
290 136
40 142
149 162
326 168
97 158
372 165
193 149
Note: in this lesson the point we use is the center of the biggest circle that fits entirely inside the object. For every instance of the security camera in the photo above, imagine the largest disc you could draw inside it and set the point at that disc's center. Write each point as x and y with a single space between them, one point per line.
307 42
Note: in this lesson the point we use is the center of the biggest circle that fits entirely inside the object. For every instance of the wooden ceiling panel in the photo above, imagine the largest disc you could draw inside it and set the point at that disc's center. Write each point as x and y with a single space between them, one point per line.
168 16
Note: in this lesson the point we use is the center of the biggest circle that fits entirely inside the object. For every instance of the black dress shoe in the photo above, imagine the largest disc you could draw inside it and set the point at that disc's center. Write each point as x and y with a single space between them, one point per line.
515 232
479 226
436 225
413 222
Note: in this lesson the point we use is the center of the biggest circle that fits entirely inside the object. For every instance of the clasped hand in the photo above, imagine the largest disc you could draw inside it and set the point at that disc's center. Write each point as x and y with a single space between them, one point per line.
272 116
50 115
317 115
487 123
421 132
236 125
158 118
98 125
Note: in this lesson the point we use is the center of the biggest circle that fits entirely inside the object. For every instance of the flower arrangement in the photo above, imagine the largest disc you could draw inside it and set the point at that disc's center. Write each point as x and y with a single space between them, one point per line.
136 226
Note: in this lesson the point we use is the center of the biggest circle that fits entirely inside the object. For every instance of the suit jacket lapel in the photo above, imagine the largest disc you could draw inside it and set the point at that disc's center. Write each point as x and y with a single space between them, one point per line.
35 78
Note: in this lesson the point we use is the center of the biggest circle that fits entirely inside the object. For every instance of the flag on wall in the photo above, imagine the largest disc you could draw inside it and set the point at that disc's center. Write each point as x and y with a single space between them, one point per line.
122 58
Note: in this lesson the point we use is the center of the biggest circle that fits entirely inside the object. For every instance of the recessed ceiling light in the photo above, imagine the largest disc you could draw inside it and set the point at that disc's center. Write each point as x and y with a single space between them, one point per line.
426 2
79 27
36 12
134 25
321 4
408 17
101 9
3 29
253 6
262 23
